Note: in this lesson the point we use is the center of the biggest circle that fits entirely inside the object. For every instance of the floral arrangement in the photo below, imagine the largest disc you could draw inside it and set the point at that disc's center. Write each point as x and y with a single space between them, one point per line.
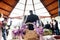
19 31
47 32
39 30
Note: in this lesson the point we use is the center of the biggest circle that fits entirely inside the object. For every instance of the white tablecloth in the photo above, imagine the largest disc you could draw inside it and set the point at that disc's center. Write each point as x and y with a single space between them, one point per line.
49 37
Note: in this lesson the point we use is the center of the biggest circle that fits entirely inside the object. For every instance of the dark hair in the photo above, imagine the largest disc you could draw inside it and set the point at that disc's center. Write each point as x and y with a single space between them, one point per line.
5 18
31 12
55 20
30 27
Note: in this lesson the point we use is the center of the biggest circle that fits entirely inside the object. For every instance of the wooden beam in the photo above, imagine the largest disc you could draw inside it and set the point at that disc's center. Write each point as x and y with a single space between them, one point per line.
4 14
4 9
53 9
45 6
14 6
7 4
51 3
54 14
48 5
16 0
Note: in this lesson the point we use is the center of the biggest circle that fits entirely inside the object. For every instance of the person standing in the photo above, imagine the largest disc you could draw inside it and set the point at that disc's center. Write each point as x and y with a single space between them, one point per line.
1 19
4 32
47 26
56 27
32 18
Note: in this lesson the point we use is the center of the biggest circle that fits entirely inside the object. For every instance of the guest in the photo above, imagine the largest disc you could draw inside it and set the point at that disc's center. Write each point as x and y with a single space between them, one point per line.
56 27
32 18
42 24
47 26
52 26
1 19
4 33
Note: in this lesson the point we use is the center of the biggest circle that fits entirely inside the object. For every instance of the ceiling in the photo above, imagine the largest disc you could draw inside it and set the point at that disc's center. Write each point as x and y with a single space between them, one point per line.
24 6
6 6
51 6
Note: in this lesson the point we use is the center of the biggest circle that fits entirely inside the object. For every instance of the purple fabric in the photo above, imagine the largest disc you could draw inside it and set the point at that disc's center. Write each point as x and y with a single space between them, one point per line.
39 30
19 31
15 32
24 26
